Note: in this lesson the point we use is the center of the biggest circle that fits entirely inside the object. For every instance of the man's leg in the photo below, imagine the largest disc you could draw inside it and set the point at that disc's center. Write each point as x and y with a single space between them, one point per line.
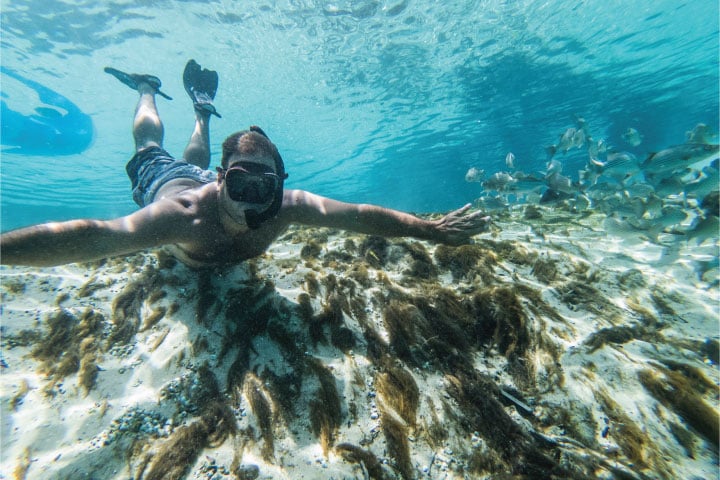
148 129
197 150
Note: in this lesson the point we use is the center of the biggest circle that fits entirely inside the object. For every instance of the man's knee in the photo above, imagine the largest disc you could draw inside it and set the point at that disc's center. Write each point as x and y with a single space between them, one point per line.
145 144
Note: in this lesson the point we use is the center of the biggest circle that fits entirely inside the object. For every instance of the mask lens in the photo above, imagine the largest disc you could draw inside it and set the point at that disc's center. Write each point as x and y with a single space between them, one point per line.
257 188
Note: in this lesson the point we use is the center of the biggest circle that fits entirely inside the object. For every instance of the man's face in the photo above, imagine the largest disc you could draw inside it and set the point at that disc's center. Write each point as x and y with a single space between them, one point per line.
249 183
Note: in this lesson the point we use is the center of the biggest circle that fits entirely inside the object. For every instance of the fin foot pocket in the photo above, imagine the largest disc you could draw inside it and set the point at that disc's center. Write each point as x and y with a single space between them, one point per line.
132 80
201 85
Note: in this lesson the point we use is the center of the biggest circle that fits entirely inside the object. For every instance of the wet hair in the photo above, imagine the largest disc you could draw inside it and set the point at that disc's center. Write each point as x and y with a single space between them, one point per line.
255 142
251 142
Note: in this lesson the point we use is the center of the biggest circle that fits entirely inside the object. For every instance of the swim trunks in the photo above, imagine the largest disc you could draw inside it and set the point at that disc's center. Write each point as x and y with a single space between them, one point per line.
152 167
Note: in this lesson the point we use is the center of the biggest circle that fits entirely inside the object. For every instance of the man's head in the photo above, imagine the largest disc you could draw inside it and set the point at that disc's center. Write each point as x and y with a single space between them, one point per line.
251 143
253 174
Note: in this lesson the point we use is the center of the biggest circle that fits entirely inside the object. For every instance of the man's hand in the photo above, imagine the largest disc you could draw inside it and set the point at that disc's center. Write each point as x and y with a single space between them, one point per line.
456 227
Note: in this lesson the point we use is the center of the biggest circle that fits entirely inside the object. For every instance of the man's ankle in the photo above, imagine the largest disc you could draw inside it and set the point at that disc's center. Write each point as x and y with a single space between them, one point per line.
144 87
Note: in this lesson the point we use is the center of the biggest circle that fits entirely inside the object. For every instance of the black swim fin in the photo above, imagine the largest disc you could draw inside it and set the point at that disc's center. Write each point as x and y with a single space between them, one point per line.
132 80
201 85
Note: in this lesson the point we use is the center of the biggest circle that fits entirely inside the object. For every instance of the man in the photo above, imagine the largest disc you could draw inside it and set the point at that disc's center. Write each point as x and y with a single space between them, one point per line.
209 219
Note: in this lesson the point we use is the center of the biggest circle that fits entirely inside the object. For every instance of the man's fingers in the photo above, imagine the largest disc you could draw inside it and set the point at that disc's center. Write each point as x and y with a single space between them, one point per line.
462 209
476 217
481 224
472 223
477 214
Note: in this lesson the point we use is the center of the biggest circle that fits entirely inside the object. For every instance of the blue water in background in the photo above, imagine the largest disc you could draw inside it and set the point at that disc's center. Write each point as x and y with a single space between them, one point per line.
368 101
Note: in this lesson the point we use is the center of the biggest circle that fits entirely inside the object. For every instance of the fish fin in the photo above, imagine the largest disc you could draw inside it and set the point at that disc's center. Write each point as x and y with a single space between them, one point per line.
648 159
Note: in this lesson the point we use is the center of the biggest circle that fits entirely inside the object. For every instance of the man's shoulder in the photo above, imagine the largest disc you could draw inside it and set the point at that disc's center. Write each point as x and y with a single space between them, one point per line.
195 202
295 197
294 202
188 213
187 187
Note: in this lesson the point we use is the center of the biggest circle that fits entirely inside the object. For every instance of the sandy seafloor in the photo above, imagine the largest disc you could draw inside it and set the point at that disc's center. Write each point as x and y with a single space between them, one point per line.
548 349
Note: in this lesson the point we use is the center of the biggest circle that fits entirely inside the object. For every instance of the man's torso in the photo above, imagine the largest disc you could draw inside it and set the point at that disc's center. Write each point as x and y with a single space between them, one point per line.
214 245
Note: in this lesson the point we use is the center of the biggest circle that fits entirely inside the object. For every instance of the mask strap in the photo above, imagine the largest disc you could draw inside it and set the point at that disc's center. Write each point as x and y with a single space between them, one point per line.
256 129
220 174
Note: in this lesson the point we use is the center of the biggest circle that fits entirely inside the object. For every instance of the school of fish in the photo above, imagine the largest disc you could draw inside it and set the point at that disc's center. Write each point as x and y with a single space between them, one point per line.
672 191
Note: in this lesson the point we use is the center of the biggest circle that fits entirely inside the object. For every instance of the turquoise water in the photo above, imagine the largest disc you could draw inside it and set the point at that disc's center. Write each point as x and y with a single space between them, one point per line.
380 102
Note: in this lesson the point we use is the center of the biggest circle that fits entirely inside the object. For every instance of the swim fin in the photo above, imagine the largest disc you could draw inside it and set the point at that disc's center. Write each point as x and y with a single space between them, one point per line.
201 85
133 79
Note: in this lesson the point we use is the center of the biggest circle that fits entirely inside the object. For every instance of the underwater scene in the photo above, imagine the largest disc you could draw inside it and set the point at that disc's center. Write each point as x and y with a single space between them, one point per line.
576 337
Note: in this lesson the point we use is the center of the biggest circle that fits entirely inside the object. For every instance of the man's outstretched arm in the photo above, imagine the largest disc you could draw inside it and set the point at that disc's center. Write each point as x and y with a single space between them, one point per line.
454 228
60 243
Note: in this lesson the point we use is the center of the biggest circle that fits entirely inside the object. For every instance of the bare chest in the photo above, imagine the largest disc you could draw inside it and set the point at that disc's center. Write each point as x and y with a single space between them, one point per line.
217 247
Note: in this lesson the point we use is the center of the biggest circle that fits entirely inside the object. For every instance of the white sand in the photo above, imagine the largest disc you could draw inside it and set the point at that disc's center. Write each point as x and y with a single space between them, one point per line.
60 431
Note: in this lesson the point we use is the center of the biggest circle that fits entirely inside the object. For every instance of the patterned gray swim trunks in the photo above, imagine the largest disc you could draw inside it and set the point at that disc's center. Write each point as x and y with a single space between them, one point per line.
151 168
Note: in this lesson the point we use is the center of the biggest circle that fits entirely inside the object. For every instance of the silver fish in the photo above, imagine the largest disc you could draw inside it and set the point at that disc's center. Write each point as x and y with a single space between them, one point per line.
499 181
552 196
598 192
639 190
552 167
632 137
677 158
596 148
671 215
619 166
567 140
526 184
668 186
587 177
579 138
474 175
653 206
699 134
561 183
631 208
581 203
706 182
593 150
510 161
581 122
489 203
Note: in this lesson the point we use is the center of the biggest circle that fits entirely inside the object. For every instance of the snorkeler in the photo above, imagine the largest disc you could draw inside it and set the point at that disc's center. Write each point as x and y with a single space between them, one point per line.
209 218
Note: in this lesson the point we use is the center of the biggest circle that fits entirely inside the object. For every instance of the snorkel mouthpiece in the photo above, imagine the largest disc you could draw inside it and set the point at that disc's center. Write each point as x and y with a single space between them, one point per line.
254 220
